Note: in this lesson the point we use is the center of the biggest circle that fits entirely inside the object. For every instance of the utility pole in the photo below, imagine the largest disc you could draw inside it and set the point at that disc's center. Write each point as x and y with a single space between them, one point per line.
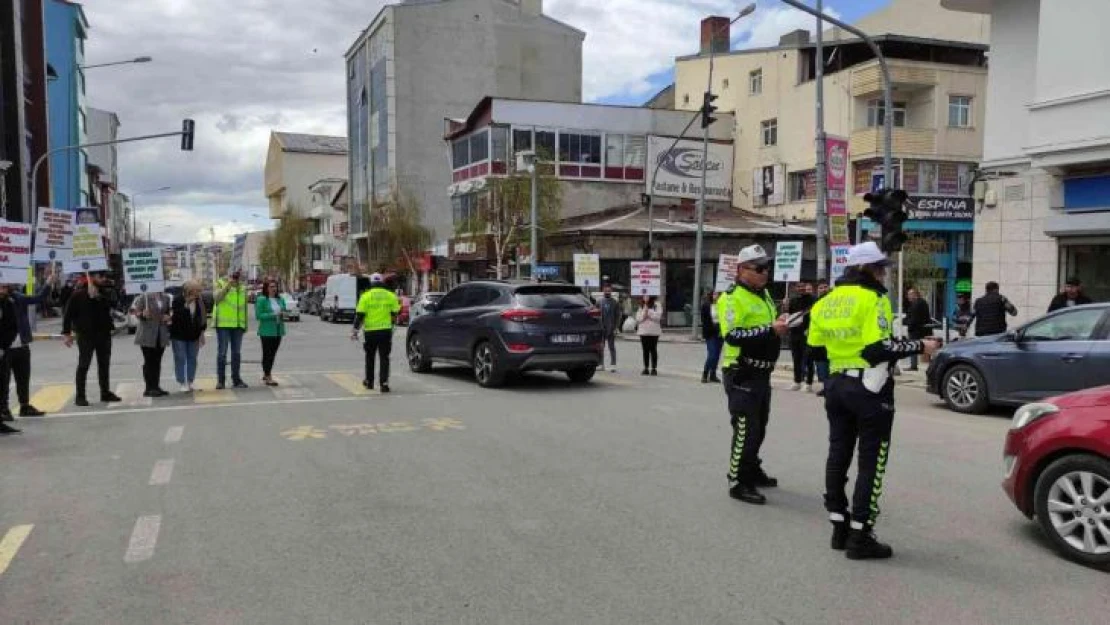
535 251
822 165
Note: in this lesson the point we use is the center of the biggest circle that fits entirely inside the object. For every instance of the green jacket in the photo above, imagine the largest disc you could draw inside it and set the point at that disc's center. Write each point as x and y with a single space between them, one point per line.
269 322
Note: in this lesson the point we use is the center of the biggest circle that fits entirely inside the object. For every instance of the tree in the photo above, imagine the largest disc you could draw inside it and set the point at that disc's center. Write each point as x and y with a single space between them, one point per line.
396 229
504 211
281 248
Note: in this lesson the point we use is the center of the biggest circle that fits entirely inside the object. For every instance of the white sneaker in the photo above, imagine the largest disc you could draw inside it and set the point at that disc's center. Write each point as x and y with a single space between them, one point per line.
185 388
796 387
809 388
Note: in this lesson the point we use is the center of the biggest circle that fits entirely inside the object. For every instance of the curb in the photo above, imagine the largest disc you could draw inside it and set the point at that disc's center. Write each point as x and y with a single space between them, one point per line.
40 336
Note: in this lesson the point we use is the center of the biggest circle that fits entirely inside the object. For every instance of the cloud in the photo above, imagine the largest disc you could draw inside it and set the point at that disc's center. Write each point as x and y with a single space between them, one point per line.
177 224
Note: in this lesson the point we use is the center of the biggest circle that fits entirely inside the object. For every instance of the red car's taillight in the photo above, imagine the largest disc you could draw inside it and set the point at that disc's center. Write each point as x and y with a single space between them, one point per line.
594 312
518 348
521 315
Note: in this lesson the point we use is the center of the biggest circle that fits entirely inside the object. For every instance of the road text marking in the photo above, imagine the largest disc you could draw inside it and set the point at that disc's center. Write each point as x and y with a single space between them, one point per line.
308 432
173 435
163 471
349 383
143 538
11 543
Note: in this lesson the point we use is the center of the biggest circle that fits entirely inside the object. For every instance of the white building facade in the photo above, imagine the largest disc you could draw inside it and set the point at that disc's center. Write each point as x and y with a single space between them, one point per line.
1045 216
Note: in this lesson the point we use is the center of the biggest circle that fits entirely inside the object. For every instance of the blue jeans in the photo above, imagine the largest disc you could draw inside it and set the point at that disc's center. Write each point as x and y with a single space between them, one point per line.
712 355
185 360
224 337
822 367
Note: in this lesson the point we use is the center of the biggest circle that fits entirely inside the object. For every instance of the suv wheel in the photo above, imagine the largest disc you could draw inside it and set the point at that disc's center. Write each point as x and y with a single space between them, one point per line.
418 359
1072 502
487 369
964 390
582 375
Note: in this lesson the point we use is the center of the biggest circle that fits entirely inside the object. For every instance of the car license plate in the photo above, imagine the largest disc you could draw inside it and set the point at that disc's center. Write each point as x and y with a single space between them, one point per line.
566 339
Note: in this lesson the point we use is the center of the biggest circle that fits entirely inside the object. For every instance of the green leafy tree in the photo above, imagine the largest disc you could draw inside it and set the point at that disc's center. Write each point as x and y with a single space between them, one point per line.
397 232
281 249
504 211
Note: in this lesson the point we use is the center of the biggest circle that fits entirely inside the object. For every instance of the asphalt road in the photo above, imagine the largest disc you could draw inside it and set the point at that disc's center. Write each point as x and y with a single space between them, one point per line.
446 503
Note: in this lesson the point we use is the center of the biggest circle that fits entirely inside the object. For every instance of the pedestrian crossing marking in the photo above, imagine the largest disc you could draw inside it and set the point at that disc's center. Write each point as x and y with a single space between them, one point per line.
52 398
10 544
350 383
132 395
289 387
206 392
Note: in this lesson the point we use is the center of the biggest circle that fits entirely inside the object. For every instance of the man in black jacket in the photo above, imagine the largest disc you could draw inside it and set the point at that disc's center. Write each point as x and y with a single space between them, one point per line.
18 360
802 301
9 330
1072 295
89 314
990 312
917 321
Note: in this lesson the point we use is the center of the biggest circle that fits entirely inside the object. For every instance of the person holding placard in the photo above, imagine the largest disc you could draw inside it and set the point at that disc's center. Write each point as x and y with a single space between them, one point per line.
89 315
19 358
188 320
153 335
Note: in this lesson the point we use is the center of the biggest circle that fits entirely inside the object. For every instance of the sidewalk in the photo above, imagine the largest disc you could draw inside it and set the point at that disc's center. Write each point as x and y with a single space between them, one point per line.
48 329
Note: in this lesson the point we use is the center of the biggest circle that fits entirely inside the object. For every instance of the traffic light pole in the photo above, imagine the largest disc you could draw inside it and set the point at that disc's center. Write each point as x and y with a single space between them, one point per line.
822 177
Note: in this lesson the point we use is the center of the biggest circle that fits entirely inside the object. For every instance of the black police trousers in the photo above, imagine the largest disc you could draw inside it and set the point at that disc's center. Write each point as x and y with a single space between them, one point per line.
857 414
749 406
377 343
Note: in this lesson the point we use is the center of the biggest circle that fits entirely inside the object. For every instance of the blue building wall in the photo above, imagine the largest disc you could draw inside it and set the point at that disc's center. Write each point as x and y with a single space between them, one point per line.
66 29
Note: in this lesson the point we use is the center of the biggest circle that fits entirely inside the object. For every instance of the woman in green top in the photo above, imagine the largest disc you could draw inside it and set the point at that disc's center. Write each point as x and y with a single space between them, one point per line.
269 309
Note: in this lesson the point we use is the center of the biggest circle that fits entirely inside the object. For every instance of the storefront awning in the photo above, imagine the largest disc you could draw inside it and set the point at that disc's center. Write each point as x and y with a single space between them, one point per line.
1078 224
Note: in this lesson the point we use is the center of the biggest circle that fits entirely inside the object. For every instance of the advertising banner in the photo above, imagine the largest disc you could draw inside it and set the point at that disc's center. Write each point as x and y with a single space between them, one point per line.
88 245
726 272
142 271
836 168
647 278
680 169
15 252
941 207
54 235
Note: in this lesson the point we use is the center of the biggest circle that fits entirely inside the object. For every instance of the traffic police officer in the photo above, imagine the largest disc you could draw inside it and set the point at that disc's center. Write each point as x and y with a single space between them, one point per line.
751 329
376 311
852 324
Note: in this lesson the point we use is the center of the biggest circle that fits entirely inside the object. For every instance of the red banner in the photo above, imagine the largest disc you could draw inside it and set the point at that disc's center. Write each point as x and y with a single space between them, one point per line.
836 170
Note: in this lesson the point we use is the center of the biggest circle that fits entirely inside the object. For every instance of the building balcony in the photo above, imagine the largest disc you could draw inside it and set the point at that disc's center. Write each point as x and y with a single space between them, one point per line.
905 141
868 79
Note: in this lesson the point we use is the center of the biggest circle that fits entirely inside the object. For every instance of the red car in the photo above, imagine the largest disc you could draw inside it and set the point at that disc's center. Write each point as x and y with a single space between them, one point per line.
1057 459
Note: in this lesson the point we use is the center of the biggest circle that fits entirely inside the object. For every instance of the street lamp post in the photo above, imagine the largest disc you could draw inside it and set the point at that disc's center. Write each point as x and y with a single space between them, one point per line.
748 10
135 212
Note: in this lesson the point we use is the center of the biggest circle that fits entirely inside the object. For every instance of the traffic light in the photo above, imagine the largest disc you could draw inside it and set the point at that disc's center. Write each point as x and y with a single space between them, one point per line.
887 211
707 109
187 129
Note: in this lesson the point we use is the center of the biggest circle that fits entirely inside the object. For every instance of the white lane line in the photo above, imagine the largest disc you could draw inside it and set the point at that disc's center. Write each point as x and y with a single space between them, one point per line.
143 539
252 404
173 435
163 471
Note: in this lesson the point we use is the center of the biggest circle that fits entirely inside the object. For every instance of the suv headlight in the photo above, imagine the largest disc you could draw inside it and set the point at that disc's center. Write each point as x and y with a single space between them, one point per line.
1030 413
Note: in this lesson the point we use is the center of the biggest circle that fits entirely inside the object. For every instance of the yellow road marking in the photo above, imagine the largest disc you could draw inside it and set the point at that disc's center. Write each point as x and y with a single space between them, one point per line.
350 383
206 392
52 398
11 543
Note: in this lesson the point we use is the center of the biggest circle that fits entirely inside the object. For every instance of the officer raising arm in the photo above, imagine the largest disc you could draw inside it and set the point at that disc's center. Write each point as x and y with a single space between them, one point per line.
751 332
852 324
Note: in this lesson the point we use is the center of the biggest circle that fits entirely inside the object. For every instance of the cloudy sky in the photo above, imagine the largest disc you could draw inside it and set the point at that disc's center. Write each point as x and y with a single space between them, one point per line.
243 67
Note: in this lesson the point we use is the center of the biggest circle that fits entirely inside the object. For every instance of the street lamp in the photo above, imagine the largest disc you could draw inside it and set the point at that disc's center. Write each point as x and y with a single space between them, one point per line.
135 211
748 10
138 59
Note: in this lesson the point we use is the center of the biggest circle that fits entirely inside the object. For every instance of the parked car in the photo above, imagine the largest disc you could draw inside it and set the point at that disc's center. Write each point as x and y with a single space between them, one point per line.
1057 459
419 307
500 329
1063 351
292 308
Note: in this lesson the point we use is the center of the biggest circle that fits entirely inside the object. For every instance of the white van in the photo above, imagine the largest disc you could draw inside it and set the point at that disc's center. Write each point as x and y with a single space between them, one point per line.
341 297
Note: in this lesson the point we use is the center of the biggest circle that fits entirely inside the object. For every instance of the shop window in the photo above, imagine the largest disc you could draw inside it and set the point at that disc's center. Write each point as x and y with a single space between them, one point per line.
635 156
614 157
876 114
1088 263
579 148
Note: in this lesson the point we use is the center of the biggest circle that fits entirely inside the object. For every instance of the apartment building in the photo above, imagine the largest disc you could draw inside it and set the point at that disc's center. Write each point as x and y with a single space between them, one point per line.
938 112
1045 216
422 60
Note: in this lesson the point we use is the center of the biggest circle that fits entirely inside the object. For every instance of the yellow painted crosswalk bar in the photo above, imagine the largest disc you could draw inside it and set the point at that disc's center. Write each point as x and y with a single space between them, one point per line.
350 383
52 397
206 392
10 544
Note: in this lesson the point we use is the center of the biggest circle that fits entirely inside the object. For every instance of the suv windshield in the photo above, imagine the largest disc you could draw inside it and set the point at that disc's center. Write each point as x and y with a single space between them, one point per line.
551 297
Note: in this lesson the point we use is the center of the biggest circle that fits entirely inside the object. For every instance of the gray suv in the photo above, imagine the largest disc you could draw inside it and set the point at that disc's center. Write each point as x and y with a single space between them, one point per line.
499 329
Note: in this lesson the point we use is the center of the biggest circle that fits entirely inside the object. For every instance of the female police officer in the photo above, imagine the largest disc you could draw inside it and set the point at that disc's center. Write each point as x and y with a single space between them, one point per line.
853 325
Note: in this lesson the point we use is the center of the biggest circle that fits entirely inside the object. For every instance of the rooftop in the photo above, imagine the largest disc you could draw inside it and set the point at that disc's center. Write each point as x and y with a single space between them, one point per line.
311 144
878 39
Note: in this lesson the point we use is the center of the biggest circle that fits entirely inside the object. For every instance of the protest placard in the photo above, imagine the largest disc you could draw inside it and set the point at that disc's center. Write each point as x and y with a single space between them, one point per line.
142 271
15 252
88 245
54 235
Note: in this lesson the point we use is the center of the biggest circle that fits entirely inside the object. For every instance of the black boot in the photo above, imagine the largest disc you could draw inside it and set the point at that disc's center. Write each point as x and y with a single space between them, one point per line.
81 401
747 493
6 414
863 545
705 377
30 411
763 480
713 377
6 430
839 535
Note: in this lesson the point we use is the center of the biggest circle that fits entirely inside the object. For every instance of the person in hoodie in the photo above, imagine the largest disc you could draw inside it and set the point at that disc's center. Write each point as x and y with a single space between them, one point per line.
610 322
19 360
9 331
88 314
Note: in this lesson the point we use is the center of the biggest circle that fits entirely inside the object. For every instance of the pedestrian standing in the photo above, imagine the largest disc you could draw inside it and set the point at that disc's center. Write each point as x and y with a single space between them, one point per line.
1072 295
188 321
711 332
9 331
19 357
818 357
918 321
752 334
962 316
854 326
230 319
376 314
152 337
88 314
269 310
803 366
990 312
649 327
610 322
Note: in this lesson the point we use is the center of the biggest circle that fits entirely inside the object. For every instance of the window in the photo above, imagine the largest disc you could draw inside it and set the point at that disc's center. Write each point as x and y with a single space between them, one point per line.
876 118
522 139
959 111
479 147
499 138
770 130
1069 326
755 82
464 208
579 148
480 296
928 177
460 153
802 185
455 298
614 151
686 98
724 84
545 144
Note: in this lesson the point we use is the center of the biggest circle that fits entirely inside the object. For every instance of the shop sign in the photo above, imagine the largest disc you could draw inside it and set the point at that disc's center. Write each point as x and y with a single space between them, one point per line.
941 207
